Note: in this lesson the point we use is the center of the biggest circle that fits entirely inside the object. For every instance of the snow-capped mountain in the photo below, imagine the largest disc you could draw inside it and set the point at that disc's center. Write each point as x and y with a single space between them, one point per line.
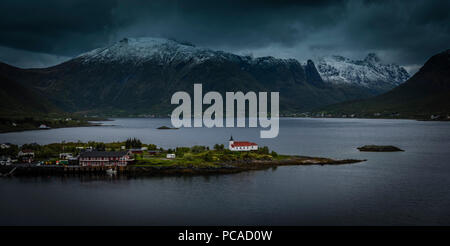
370 72
139 75
423 96
140 50
168 51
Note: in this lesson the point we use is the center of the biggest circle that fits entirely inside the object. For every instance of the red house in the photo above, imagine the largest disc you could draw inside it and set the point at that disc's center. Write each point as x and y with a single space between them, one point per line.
105 158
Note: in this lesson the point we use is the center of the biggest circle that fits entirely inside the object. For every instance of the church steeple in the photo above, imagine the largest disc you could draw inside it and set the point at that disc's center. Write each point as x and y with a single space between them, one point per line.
230 143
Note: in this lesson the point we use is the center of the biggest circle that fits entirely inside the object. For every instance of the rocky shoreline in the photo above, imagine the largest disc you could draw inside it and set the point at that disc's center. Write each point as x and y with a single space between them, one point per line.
379 148
136 170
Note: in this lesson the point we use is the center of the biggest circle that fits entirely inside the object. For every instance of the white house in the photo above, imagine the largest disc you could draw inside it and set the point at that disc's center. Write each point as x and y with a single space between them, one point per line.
65 156
5 160
5 146
241 145
170 156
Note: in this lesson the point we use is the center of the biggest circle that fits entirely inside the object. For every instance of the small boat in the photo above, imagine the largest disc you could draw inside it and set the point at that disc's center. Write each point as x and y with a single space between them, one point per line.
111 171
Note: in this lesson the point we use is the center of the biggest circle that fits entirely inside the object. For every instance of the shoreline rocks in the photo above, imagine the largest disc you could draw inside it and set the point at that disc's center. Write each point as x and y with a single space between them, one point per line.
136 170
166 128
379 148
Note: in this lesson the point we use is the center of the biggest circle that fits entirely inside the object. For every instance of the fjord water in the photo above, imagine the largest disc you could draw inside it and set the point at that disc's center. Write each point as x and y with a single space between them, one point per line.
399 188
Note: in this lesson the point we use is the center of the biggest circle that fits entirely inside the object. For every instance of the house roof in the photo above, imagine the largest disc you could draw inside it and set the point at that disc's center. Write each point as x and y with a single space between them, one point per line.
242 144
103 153
136 150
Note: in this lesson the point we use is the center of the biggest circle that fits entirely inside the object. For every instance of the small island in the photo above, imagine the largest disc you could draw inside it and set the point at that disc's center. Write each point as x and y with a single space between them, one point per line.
133 158
379 148
166 128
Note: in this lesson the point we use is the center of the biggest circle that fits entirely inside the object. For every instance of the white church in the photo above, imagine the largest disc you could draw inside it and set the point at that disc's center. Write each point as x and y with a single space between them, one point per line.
241 145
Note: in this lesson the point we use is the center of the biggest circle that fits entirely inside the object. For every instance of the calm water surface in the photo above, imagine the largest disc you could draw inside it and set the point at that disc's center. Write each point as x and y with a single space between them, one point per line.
404 188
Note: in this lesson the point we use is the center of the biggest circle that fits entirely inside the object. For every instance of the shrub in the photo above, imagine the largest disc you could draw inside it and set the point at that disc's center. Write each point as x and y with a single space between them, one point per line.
274 154
100 146
181 150
208 157
198 149
264 150
188 156
219 147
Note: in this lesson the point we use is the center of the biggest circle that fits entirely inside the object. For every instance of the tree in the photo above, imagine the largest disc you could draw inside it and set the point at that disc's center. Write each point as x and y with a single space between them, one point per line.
32 146
274 154
264 150
13 150
198 149
179 151
152 147
132 143
100 146
219 147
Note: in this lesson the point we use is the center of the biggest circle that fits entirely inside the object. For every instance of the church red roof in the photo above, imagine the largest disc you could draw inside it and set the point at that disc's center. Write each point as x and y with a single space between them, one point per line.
242 144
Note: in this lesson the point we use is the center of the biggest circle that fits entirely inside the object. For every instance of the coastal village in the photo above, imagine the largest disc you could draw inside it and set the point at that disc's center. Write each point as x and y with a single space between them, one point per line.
112 155
132 157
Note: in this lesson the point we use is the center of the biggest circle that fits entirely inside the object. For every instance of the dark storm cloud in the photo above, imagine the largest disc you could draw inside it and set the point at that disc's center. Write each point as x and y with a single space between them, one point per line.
229 23
52 26
406 32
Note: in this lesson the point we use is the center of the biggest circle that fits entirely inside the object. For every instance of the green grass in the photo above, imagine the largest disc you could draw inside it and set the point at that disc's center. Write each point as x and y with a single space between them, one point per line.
196 156
180 162
207 158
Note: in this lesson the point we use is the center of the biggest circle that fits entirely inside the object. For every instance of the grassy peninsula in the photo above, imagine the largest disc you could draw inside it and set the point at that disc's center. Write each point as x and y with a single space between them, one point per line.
148 159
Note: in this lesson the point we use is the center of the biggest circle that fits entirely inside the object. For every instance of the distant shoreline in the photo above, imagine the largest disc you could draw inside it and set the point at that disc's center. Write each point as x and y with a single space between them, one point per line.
91 122
303 117
9 130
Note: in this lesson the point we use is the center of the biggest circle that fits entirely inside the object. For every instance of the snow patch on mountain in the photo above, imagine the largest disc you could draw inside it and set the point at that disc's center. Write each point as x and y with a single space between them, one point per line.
139 50
369 72
167 51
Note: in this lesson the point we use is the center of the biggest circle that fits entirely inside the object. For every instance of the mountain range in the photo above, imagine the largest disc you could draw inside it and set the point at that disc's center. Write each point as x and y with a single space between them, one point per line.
139 76
425 95
369 72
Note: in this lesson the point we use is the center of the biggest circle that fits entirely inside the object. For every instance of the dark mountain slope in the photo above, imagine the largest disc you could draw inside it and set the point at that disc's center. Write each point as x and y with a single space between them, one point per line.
18 99
426 93
136 76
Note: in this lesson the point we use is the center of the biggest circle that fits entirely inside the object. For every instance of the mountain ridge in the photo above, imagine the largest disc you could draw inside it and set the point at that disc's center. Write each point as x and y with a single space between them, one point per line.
139 75
425 95
369 72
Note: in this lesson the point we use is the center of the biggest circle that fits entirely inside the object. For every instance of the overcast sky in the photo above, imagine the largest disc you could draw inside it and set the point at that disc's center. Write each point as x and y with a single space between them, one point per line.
43 33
